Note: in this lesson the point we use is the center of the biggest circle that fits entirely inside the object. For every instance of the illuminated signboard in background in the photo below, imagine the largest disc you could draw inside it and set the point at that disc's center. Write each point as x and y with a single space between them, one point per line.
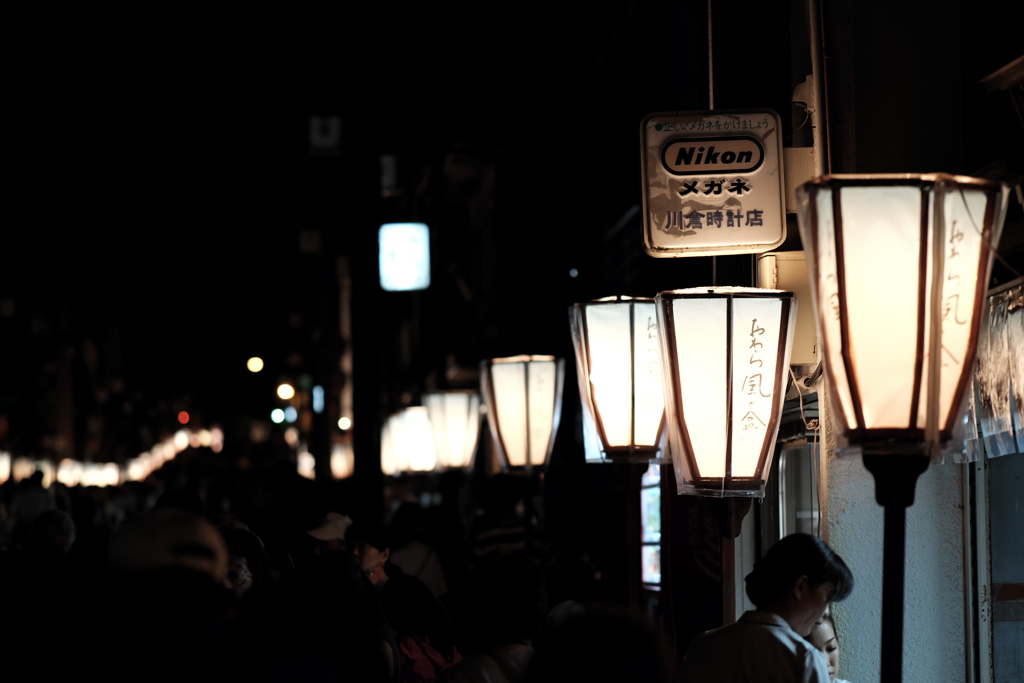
712 183
404 256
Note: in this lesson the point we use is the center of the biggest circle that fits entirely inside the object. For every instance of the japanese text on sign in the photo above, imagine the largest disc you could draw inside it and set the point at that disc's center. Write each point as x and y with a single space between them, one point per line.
696 220
712 182
752 383
762 122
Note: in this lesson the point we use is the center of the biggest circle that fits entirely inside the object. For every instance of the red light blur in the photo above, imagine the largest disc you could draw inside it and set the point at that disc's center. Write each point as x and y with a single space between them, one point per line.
183 417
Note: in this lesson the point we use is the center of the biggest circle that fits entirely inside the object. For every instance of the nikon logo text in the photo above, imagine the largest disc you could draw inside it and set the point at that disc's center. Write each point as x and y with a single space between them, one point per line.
703 156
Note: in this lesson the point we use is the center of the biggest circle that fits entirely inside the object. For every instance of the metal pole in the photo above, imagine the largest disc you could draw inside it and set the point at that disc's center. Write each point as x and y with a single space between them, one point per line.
895 478
893 585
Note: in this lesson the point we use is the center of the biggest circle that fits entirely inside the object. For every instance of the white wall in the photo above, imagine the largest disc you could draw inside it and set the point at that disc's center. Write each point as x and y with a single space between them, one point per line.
933 629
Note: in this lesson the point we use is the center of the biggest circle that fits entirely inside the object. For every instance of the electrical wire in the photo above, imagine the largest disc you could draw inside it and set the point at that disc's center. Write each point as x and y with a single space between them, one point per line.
991 247
815 426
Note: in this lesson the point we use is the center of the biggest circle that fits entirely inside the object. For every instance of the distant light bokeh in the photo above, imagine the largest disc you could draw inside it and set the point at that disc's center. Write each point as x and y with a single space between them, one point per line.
286 391
70 472
216 439
307 465
341 460
255 364
259 432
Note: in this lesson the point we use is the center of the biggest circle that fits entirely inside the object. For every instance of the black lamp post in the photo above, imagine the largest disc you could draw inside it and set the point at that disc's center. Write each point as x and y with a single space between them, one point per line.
899 270
523 399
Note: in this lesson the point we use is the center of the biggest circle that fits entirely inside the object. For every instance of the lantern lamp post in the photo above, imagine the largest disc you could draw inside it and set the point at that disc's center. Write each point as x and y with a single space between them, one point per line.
726 354
389 460
618 365
620 380
523 396
407 444
899 268
455 422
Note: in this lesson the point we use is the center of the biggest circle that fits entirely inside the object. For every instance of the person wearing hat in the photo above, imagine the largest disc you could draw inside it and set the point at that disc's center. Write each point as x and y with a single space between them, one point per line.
424 630
330 533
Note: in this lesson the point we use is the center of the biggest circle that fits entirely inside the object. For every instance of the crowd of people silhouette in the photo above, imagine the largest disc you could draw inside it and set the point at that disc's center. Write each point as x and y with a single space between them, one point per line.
261 575
264 576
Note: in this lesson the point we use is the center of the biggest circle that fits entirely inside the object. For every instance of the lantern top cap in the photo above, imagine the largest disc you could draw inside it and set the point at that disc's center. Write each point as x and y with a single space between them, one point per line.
522 359
854 179
441 392
724 291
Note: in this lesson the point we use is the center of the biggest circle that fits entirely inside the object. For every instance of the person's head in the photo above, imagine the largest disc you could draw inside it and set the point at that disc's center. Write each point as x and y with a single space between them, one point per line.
330 535
370 544
824 638
248 560
797 579
169 537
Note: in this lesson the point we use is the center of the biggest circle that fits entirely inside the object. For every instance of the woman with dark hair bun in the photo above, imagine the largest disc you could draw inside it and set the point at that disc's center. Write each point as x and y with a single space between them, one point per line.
791 587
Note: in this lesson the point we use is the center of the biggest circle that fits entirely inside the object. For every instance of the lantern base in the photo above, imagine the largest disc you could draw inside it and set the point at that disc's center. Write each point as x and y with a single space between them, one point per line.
895 475
716 488
636 455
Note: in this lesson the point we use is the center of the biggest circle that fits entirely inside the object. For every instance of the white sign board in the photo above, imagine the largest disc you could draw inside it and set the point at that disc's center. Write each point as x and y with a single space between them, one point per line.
712 182
404 256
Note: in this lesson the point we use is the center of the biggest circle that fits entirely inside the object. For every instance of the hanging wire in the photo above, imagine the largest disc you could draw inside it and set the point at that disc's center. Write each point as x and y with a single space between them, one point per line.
809 424
807 118
815 426
815 454
988 243
711 70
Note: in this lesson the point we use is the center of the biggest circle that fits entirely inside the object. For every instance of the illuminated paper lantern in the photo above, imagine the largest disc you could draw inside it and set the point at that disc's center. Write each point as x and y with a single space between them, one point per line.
523 396
620 380
726 353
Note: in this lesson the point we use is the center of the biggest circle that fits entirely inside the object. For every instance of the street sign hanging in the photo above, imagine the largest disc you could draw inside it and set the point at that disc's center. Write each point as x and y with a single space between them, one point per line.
712 182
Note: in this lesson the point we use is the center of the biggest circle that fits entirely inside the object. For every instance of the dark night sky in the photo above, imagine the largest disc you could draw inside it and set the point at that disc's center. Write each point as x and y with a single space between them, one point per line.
158 162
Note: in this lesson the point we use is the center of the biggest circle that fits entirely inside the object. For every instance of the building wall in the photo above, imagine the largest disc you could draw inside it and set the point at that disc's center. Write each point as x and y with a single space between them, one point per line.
1006 518
933 626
